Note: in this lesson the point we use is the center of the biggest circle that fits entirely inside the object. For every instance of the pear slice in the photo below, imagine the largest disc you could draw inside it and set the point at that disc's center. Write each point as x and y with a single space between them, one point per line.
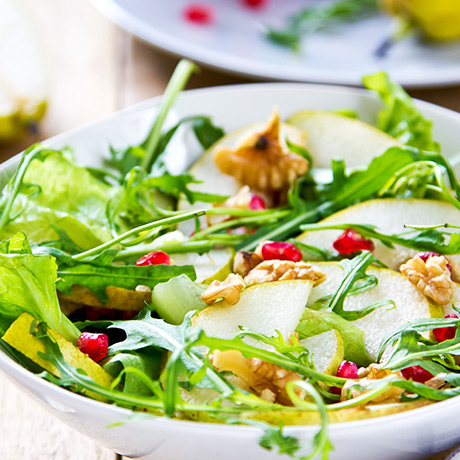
19 336
265 308
331 135
23 80
410 303
326 351
214 181
390 216
213 265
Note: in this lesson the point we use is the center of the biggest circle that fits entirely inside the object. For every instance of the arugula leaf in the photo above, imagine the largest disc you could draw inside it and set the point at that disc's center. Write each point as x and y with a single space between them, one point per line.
142 196
429 239
145 331
202 126
315 17
360 185
146 361
27 284
98 277
316 322
400 118
206 132
357 186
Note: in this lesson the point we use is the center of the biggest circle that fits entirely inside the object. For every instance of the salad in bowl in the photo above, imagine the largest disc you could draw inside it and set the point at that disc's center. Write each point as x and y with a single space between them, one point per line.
302 272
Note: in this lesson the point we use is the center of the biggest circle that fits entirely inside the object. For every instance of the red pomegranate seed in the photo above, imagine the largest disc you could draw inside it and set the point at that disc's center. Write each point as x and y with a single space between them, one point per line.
281 250
254 4
199 13
154 258
426 255
96 346
351 241
416 373
257 203
445 333
346 370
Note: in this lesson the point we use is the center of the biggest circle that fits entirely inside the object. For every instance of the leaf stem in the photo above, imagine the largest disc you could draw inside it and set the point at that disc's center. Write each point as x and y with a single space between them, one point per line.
29 155
135 231
176 84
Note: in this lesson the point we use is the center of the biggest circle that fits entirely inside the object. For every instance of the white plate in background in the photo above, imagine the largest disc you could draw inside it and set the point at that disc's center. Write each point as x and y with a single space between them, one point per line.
235 43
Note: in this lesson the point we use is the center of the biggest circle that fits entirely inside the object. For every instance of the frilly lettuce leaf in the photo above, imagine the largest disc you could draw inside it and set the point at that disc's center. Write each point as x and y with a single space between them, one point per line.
27 284
56 191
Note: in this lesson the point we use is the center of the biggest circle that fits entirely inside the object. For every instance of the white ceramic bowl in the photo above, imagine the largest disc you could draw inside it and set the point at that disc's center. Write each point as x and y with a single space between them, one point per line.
415 434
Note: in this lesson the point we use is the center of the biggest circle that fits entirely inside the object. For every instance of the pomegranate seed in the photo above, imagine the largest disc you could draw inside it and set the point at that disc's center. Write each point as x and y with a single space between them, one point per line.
281 250
96 346
199 13
346 370
254 4
445 333
416 373
154 258
351 241
257 203
426 255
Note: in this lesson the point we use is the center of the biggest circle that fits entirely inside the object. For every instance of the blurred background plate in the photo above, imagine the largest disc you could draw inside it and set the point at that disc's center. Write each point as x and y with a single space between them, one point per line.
235 42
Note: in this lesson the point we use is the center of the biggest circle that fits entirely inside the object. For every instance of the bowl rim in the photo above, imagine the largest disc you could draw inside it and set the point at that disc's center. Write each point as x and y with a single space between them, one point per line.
12 369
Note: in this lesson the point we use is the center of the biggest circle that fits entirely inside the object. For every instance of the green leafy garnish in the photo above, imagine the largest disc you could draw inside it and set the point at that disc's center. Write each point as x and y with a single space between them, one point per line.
400 117
315 17
27 285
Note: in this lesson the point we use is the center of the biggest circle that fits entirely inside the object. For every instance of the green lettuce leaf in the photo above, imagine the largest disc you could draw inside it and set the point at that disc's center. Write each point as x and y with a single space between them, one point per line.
400 118
65 195
27 285
97 277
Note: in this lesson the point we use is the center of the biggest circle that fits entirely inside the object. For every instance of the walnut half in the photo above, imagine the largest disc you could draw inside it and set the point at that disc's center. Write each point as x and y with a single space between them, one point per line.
262 160
281 270
265 379
245 261
431 277
229 290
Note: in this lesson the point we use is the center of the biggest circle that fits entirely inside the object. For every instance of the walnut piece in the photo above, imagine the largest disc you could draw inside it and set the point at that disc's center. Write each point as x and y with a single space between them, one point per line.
392 395
240 201
431 277
245 261
265 379
281 270
262 160
229 290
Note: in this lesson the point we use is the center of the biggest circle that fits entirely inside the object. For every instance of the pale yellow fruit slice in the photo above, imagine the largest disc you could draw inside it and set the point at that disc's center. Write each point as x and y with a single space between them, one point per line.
330 135
19 337
326 351
410 303
213 265
390 216
214 181
23 75
265 308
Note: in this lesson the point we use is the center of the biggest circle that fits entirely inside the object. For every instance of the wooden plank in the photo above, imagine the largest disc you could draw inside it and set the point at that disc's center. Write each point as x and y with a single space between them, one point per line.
28 431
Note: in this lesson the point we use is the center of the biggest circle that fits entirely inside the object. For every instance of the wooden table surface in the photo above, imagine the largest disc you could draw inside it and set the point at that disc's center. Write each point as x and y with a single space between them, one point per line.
95 69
